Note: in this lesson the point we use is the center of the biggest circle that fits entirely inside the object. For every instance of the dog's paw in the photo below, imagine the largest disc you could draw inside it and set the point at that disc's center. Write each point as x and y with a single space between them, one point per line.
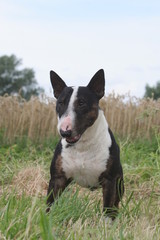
108 221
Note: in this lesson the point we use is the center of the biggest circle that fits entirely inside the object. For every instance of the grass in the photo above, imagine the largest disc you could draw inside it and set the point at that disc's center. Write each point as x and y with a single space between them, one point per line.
24 175
37 119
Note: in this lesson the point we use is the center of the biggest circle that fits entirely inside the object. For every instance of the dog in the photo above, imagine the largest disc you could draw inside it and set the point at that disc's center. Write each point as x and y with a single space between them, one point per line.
87 151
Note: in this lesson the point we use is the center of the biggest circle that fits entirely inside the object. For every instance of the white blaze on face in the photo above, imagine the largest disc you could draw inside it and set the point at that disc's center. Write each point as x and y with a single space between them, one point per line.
67 120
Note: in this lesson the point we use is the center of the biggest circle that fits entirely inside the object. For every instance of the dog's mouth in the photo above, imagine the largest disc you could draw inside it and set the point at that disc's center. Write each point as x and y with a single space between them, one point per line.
73 140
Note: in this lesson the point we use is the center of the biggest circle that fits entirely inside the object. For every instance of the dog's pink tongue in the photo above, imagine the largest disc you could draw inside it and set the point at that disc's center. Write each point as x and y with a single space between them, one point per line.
74 139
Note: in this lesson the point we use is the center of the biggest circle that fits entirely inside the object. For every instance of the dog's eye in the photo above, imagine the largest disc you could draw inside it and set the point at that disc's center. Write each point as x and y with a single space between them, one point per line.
60 103
81 102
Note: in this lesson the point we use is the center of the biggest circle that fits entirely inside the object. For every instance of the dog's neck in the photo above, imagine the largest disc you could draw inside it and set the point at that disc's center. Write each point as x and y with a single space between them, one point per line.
99 127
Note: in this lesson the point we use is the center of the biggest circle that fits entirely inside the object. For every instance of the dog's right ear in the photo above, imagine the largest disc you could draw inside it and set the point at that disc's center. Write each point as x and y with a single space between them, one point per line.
57 83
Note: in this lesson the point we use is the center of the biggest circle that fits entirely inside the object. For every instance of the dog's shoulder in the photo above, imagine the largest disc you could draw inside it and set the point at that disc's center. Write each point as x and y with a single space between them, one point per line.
114 148
113 168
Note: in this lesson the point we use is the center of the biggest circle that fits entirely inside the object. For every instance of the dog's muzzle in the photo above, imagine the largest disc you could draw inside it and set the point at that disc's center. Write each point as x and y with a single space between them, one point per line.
68 136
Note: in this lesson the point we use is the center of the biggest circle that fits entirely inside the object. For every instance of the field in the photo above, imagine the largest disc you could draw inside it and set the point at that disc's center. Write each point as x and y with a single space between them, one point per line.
36 119
26 149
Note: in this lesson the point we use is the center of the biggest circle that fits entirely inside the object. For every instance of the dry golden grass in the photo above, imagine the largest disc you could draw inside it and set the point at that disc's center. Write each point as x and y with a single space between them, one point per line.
130 116
31 181
127 116
35 119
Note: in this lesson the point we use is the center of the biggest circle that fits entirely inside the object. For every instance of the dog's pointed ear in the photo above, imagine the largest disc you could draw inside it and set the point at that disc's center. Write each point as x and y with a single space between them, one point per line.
57 83
97 84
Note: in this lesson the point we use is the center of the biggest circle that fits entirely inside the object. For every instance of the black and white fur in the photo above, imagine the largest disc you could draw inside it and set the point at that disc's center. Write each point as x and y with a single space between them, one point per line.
87 151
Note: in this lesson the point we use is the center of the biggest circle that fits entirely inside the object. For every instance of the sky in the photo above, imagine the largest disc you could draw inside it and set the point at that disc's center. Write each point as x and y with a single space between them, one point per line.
76 38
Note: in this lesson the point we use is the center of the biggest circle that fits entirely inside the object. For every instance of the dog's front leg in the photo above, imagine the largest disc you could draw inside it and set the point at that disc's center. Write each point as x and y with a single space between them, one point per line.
110 198
56 187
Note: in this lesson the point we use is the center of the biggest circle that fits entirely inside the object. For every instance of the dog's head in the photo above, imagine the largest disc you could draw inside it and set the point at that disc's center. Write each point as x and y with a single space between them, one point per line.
77 107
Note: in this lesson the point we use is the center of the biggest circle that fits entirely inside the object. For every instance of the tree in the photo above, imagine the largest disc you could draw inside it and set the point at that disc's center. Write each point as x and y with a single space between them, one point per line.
14 81
153 91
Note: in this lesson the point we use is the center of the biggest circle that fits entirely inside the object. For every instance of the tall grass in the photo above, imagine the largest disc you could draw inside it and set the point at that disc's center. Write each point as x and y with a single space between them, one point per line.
36 119
131 116
77 215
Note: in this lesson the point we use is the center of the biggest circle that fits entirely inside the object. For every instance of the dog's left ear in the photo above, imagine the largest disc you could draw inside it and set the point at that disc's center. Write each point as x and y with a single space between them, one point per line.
97 84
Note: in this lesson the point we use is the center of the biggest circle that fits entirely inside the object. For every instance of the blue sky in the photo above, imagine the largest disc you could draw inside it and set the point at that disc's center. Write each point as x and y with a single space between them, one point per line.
76 38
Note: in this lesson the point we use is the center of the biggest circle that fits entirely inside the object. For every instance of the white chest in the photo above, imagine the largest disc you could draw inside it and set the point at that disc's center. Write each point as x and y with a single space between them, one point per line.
85 161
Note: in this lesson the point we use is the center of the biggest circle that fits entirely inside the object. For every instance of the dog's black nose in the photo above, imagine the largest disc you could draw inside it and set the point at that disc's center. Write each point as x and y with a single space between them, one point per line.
66 134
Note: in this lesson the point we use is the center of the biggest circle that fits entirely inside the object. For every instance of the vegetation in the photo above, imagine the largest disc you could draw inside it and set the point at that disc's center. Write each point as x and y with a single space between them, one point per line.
15 81
28 137
24 175
153 92
37 119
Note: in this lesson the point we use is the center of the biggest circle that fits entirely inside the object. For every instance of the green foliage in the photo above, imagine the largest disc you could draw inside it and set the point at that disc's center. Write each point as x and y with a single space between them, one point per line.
16 81
152 91
77 214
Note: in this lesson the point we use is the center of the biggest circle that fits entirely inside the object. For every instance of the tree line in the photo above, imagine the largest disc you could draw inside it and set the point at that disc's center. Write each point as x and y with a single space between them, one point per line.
14 80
